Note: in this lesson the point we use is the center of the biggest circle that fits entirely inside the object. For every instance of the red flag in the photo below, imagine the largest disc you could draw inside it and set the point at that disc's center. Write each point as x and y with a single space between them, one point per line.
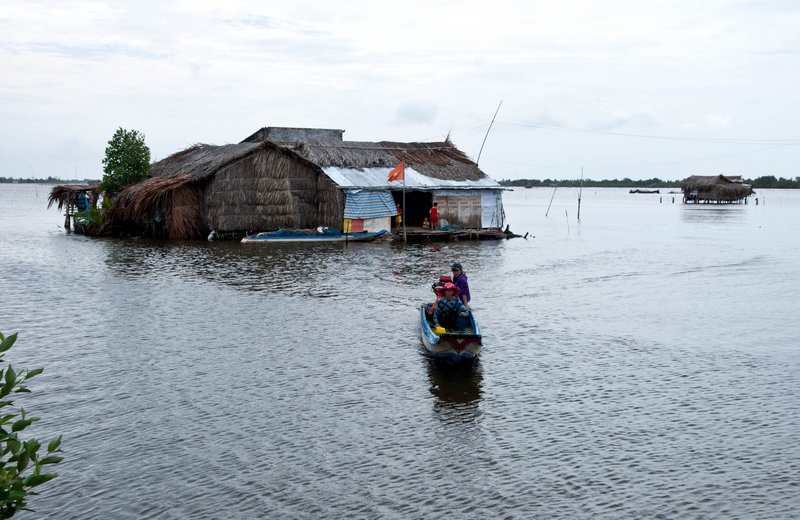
399 172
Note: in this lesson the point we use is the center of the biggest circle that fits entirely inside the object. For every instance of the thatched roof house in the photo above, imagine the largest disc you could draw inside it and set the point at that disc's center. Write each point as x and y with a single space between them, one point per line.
304 178
715 188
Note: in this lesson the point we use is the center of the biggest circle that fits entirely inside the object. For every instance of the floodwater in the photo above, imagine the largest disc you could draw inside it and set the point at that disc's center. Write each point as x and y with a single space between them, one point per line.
641 363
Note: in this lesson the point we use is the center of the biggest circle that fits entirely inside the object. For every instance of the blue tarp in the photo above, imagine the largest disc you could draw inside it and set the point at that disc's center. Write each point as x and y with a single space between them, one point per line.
364 204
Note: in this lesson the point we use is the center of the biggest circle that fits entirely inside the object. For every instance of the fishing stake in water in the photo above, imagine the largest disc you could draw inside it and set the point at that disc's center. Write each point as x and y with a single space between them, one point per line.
551 200
580 192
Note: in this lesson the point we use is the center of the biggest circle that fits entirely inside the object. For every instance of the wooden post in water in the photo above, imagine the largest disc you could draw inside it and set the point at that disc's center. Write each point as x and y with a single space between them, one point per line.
580 192
551 200
405 233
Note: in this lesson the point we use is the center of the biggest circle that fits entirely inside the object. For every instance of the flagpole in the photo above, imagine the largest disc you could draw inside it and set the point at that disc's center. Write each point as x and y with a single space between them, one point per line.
405 234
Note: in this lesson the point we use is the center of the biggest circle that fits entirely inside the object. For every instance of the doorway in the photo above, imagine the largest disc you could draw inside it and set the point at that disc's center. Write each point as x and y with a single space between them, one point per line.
417 205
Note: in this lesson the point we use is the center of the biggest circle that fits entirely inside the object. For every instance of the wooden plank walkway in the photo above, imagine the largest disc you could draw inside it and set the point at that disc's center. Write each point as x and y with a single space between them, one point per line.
420 234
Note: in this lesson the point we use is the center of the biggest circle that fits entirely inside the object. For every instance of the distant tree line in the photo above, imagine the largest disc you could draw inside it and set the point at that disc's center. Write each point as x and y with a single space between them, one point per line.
767 181
48 180
591 183
770 181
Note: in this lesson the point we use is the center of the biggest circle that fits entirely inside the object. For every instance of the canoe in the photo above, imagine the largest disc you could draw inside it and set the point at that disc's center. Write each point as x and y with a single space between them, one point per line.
454 346
301 237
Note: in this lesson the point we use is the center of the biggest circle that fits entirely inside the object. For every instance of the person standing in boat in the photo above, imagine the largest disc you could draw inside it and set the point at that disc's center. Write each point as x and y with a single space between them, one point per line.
461 281
449 308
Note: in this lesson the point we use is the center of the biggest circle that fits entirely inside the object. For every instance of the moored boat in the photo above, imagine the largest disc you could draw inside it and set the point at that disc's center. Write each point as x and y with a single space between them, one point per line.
453 345
302 236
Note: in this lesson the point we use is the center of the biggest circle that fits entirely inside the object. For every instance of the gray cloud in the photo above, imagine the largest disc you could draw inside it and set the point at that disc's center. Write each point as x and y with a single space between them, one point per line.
215 70
416 112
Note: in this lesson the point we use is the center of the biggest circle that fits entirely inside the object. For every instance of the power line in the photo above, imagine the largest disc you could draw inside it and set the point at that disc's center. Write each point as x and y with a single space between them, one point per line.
670 163
546 126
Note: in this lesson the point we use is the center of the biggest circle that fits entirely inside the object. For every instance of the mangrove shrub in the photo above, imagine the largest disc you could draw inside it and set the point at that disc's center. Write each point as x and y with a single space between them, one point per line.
23 465
127 160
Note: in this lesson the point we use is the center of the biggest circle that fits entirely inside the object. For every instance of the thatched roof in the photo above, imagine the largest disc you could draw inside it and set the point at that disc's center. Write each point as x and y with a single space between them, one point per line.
436 161
202 160
63 194
439 160
716 187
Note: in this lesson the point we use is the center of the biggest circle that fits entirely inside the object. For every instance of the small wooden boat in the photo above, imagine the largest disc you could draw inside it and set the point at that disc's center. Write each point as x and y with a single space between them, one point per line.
300 236
454 345
644 191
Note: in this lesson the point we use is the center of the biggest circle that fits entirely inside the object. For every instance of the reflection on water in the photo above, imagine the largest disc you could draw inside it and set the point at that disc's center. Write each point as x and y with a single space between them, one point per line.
457 389
725 214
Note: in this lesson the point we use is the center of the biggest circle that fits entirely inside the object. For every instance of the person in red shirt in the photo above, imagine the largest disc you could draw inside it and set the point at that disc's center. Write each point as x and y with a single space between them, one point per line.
398 219
433 215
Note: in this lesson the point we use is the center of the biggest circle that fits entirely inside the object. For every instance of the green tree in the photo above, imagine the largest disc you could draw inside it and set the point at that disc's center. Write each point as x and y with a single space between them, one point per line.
127 160
22 467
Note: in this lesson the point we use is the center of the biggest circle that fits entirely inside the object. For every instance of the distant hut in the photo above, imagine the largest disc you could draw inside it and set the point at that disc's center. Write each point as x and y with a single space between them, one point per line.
304 178
715 188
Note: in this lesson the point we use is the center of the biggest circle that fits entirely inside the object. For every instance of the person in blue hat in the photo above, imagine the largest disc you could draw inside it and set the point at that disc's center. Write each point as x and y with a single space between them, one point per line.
461 281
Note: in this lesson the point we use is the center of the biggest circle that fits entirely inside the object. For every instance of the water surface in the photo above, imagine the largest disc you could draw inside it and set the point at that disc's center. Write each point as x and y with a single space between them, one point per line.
642 363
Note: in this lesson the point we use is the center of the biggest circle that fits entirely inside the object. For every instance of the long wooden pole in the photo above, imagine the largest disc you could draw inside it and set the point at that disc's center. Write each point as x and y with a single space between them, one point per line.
551 200
580 192
405 233
478 160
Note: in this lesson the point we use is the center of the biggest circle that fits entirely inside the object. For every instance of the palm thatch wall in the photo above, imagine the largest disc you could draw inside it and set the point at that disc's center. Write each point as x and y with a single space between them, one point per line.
271 190
715 188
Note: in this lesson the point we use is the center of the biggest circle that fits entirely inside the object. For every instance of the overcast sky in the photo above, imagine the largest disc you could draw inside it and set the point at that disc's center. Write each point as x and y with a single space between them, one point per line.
713 86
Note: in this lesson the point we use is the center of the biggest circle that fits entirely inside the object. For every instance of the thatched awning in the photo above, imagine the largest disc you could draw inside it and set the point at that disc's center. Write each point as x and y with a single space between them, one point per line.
64 195
143 199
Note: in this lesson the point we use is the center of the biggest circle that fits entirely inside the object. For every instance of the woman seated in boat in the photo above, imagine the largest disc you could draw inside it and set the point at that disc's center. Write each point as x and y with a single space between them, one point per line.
449 308
437 287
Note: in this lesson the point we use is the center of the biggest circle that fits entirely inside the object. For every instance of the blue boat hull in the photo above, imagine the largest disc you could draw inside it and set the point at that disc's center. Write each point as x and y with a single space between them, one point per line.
451 347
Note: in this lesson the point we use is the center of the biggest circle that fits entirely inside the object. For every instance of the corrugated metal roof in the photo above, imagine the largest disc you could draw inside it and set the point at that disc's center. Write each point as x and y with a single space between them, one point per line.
377 178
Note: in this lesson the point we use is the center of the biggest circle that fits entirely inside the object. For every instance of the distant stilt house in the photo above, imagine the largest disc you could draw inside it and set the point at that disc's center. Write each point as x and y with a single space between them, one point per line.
304 178
715 188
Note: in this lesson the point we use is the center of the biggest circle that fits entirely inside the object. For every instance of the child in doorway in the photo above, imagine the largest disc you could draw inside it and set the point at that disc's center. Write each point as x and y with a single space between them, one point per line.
398 220
433 215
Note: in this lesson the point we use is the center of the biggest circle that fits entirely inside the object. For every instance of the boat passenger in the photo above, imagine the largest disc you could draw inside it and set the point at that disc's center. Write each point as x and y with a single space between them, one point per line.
437 287
462 282
449 308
